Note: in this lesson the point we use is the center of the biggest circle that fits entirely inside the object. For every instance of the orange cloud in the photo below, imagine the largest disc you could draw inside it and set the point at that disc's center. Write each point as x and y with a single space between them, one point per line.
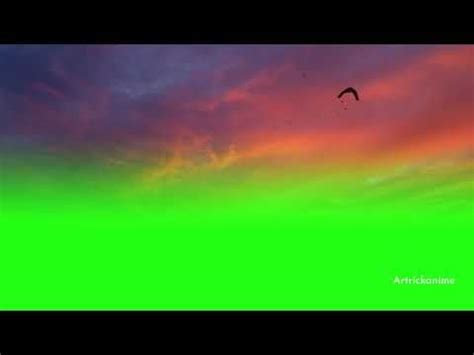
423 109
412 80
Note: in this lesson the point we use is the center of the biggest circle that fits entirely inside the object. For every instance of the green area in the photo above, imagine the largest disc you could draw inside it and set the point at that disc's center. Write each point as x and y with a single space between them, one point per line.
76 235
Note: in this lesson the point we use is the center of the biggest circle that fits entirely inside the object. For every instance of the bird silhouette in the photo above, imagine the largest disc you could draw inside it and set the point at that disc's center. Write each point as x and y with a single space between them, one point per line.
347 91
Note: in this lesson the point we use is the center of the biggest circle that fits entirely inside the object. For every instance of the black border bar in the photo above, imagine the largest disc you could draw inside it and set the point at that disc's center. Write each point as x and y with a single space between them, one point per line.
234 37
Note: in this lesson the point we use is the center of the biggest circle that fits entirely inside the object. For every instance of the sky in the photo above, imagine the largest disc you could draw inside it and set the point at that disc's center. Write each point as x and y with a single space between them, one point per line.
174 109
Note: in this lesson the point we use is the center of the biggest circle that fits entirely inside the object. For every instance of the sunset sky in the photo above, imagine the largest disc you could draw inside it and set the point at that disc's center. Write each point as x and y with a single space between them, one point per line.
175 108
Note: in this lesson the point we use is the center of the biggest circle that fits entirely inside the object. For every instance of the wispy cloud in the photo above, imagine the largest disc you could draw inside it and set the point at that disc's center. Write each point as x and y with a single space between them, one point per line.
185 107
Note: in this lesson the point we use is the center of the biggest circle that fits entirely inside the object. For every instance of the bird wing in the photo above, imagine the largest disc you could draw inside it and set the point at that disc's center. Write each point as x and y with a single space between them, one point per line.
355 93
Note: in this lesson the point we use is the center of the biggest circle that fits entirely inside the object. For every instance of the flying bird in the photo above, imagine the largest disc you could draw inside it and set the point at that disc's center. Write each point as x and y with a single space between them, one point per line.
347 91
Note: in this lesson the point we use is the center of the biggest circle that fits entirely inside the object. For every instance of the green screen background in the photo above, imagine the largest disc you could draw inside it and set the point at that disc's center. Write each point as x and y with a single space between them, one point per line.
82 235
